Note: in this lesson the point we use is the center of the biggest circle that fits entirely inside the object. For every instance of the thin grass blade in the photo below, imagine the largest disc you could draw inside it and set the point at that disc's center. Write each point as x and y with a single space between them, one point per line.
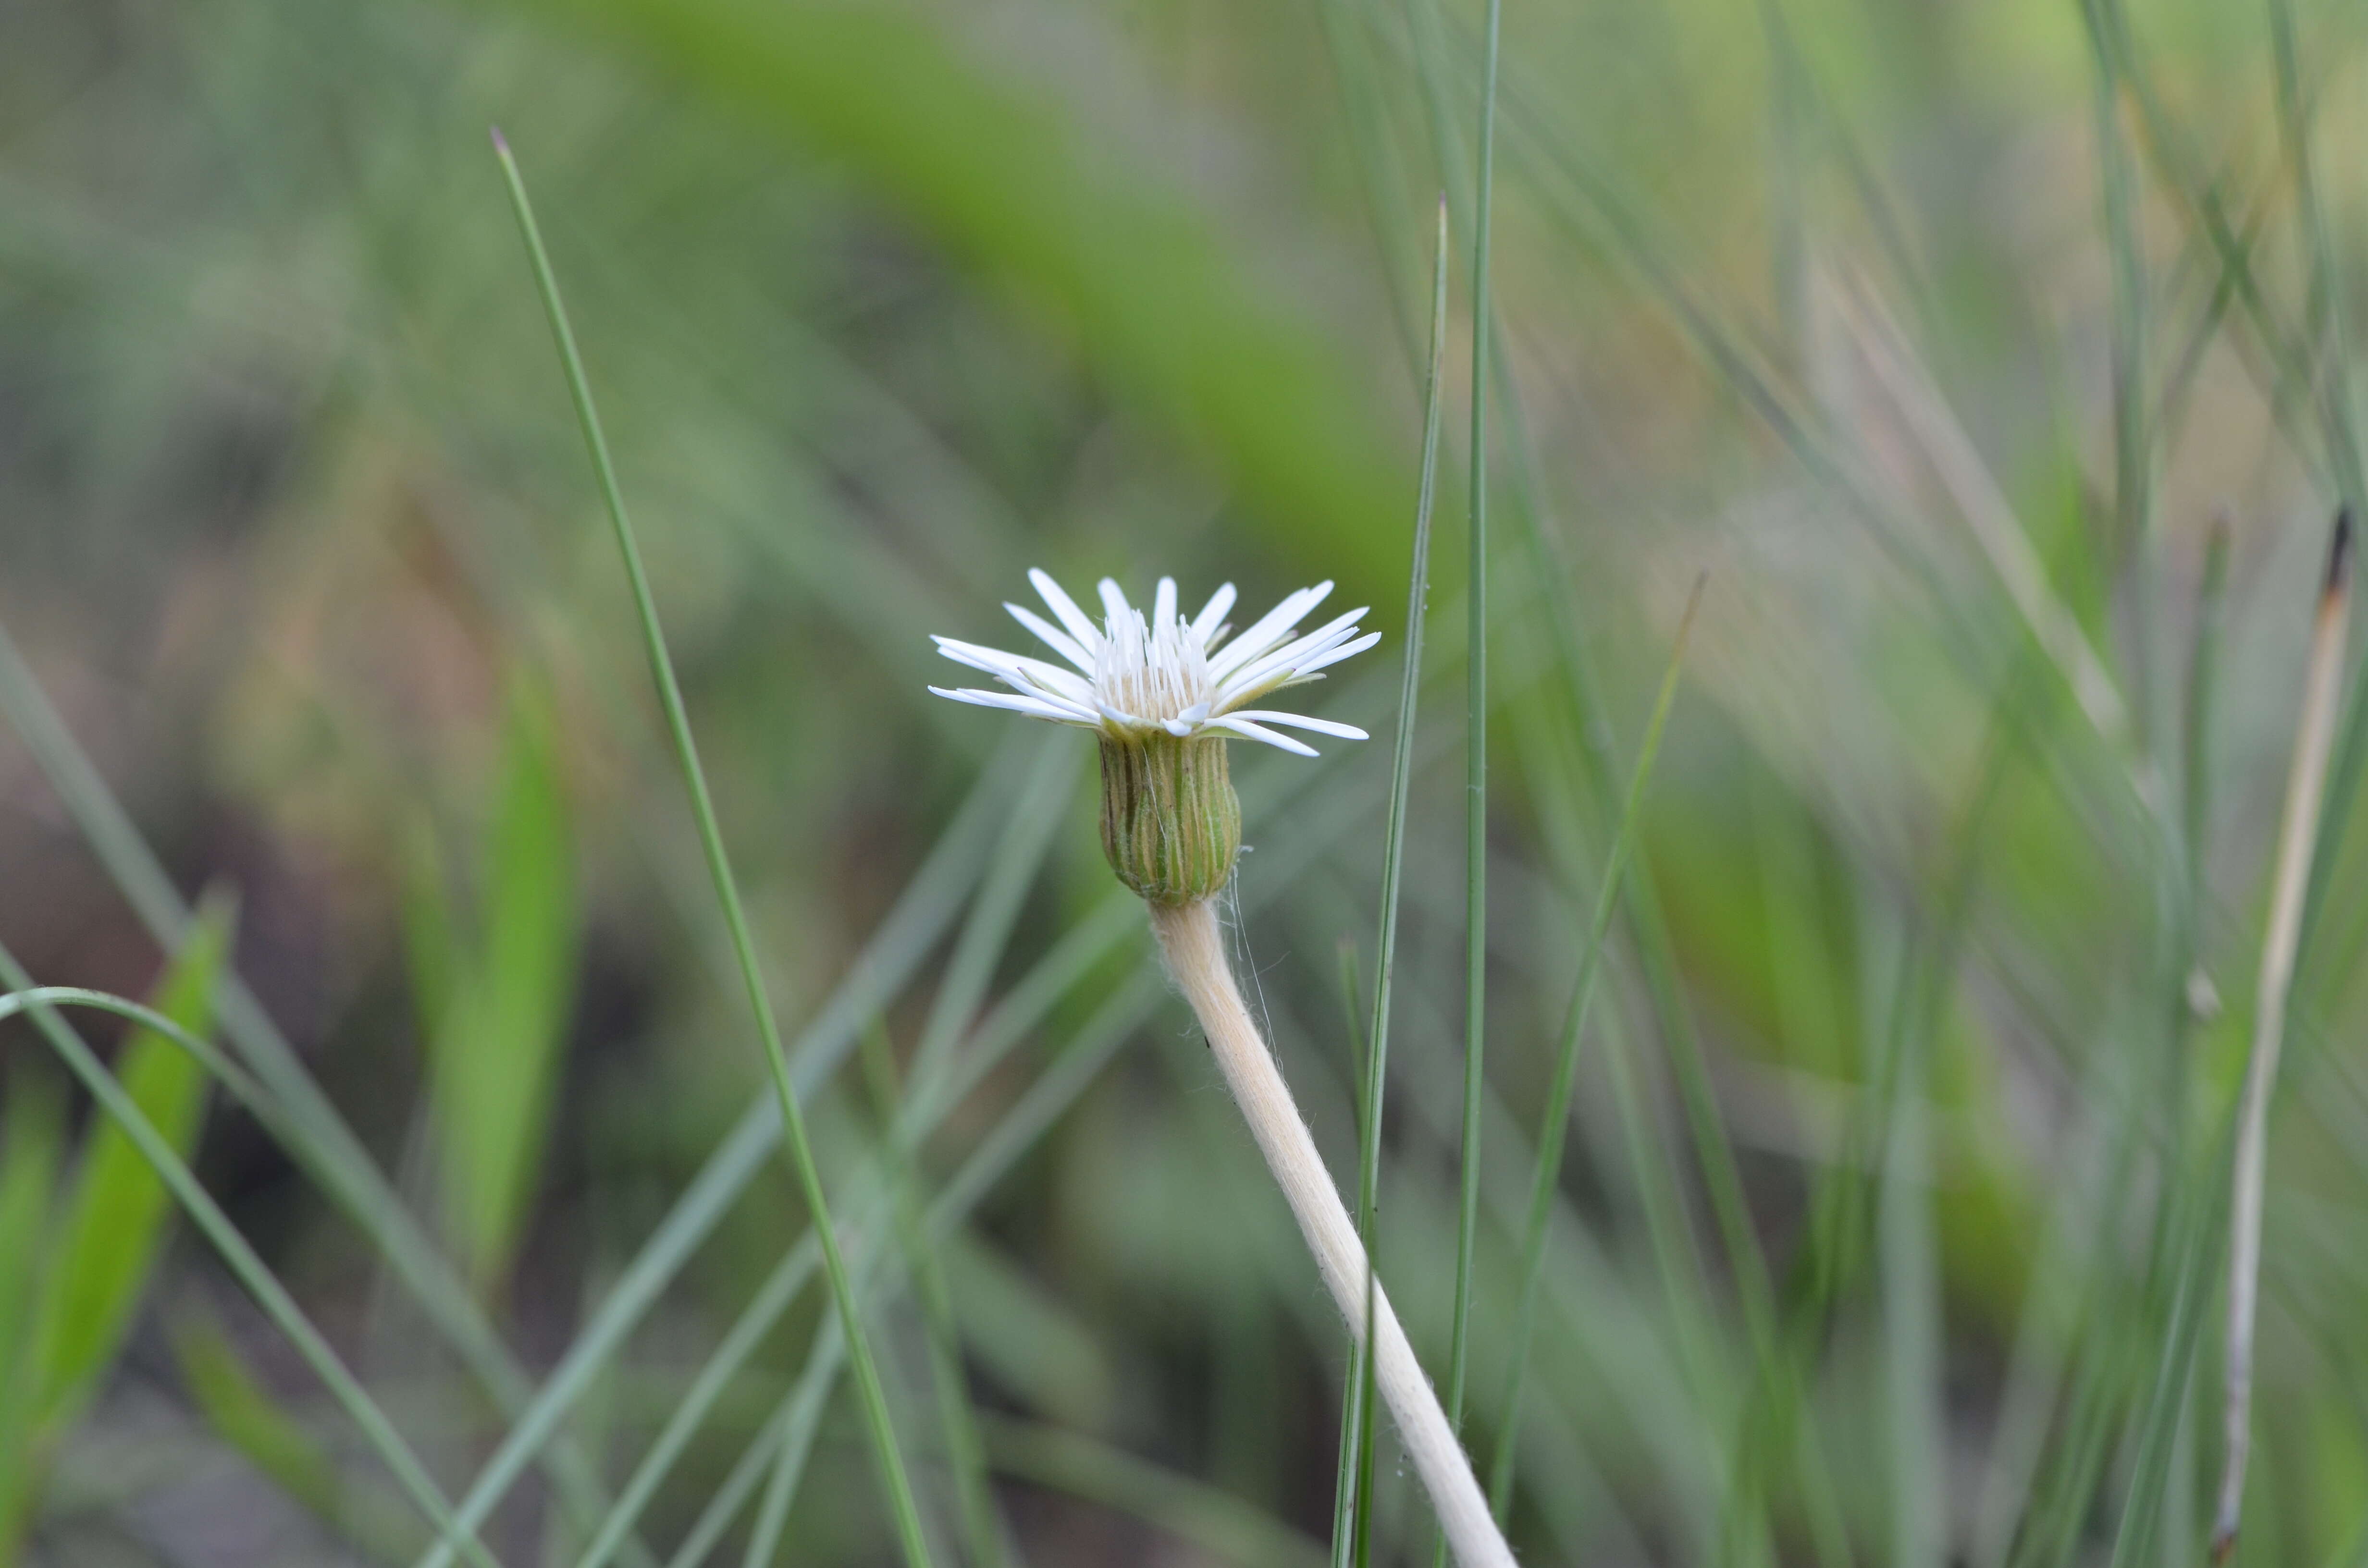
1475 758
894 1481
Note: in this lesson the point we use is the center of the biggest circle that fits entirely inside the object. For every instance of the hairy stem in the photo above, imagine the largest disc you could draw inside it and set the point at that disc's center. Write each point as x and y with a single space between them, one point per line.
1195 950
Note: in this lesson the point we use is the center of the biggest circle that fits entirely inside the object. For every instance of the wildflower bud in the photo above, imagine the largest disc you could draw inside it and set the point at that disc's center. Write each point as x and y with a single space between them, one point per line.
1171 825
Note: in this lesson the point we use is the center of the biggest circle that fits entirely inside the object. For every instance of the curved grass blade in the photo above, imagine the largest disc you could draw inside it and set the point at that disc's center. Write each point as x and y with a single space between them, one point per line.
283 1093
40 1004
893 1480
112 1228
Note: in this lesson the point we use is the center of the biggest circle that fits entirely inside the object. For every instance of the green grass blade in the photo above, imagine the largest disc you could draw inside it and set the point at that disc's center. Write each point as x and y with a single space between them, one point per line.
2135 536
1010 1025
124 1112
915 923
499 1016
1369 1163
1551 1131
787 1437
113 1229
723 1363
1032 193
1223 1526
1045 797
2199 1259
897 1484
1475 758
1907 1255
238 1409
982 1524
1353 1480
32 1152
281 1091
2332 377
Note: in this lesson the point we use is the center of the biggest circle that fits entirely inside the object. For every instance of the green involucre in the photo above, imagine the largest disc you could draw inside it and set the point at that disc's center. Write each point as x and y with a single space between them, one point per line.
1171 823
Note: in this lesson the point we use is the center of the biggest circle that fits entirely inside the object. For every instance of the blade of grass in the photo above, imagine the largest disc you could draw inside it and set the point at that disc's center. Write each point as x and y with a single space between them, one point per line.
501 991
1350 1476
1007 1027
788 1437
2151 1470
2180 170
1044 803
1210 1519
1557 1121
1597 752
32 1153
2331 379
2135 538
912 926
1907 1256
283 1093
2297 832
1347 44
242 1411
111 1230
983 1528
1475 756
40 1004
893 1480
1376 1064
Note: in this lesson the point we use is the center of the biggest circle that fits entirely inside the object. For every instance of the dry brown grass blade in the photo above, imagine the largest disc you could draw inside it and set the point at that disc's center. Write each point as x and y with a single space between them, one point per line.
2297 831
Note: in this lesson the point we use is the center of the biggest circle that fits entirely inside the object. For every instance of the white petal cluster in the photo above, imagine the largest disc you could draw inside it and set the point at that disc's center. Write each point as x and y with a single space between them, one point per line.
1135 675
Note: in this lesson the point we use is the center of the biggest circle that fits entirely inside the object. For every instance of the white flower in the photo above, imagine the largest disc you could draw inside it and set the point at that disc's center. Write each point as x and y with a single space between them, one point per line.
1132 678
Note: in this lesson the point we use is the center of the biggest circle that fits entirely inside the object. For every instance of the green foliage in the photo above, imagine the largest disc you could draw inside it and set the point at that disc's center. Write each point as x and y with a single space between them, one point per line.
111 1229
31 1138
236 1406
1148 283
493 979
78 1270
1889 1226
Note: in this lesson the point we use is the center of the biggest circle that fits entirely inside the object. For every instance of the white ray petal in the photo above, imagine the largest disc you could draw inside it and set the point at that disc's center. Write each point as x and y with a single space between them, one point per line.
1035 708
1064 609
1301 722
1211 621
1249 731
1270 629
1298 651
1307 670
1017 668
1163 604
1114 604
1052 636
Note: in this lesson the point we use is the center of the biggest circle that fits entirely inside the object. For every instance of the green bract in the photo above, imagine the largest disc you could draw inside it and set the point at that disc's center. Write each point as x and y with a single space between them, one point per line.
1171 825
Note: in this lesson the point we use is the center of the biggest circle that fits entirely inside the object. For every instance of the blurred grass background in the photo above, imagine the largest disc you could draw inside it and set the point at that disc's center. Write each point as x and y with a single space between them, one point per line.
1889 1228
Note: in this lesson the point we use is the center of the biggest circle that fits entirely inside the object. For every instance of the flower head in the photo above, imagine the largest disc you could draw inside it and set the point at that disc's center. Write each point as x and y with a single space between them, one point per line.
1163 694
1135 676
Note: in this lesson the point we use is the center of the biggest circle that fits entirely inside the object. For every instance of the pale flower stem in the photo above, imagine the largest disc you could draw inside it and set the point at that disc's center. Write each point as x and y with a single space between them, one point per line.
2297 832
1195 950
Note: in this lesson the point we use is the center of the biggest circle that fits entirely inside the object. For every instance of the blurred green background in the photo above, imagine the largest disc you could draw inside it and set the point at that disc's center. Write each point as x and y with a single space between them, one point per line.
1942 337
